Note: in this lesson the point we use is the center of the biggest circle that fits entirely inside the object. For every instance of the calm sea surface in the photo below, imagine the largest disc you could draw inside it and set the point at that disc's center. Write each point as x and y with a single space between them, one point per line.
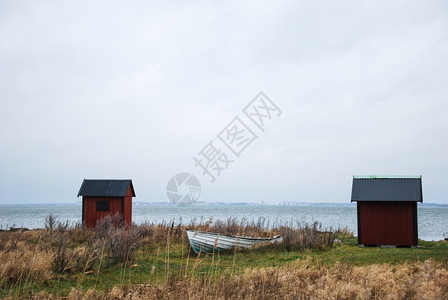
432 221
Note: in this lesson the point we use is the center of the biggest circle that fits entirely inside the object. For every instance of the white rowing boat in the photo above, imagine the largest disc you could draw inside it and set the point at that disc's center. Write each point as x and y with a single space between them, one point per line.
206 242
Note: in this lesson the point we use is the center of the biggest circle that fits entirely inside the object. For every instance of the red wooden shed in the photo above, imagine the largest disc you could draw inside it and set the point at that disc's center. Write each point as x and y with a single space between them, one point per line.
106 197
387 209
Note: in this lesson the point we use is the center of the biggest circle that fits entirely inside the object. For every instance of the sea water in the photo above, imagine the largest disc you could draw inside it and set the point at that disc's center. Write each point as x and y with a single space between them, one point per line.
432 221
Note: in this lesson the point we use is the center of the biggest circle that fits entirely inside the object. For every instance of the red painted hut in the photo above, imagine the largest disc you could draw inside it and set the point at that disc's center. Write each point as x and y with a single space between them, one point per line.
387 209
106 197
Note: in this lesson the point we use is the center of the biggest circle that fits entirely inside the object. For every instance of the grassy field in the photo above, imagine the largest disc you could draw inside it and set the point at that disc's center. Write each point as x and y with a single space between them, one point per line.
155 261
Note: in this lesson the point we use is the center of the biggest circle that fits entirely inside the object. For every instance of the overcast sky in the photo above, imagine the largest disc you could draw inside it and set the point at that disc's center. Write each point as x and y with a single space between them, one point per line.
136 89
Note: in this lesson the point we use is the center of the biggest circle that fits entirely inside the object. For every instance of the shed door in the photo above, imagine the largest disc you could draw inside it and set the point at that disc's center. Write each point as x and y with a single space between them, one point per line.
96 208
387 223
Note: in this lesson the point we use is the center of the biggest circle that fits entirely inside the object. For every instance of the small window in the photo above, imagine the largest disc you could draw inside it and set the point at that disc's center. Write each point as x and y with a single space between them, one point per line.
102 205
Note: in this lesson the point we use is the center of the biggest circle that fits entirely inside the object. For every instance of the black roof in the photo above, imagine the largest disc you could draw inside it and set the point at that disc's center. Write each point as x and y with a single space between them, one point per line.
105 188
387 188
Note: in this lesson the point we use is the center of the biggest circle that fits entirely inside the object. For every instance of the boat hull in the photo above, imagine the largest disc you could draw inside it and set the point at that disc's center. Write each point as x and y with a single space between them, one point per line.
206 242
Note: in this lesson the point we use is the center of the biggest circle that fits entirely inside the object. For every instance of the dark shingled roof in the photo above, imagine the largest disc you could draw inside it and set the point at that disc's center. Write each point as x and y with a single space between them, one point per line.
387 188
105 188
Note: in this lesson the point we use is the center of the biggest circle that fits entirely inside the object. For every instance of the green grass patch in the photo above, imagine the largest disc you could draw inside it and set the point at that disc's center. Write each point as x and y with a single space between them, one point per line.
156 265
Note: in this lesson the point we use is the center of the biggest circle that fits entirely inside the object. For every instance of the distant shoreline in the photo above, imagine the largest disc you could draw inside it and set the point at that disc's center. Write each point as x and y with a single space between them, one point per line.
136 203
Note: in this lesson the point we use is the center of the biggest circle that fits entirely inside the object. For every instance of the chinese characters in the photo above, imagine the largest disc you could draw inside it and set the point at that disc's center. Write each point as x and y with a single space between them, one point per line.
236 137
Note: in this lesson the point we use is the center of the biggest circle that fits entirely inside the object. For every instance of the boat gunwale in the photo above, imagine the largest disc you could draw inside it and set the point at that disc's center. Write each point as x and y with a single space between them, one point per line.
234 236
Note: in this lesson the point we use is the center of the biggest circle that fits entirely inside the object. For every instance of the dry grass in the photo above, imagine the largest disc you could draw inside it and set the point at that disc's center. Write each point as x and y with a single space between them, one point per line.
44 255
62 252
426 280
61 249
296 235
21 261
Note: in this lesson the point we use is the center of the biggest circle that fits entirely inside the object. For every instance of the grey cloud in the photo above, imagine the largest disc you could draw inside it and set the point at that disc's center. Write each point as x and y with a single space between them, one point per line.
103 89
